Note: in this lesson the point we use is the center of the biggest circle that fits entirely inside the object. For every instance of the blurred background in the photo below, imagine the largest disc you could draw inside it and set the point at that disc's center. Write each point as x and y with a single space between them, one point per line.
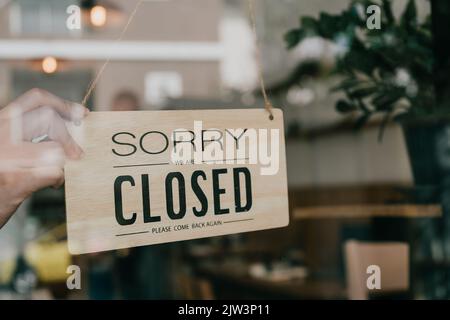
365 186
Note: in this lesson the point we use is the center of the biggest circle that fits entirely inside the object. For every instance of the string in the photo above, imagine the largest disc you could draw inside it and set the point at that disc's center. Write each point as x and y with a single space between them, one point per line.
267 104
94 82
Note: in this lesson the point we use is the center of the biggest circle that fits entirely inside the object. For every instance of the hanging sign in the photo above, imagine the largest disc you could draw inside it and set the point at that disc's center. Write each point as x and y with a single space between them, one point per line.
151 177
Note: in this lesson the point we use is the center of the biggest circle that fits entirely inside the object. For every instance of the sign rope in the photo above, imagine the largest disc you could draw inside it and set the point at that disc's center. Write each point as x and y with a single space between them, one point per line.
267 104
94 82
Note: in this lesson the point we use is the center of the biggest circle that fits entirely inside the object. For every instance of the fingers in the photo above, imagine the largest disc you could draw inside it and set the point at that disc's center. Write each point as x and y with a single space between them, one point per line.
44 154
27 181
45 121
40 178
36 98
38 113
31 155
58 132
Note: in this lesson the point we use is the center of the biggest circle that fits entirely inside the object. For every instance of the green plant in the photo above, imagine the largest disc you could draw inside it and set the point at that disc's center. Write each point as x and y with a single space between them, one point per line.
387 71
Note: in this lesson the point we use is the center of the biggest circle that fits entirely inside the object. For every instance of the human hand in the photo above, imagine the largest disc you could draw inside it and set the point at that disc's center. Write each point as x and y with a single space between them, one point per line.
26 167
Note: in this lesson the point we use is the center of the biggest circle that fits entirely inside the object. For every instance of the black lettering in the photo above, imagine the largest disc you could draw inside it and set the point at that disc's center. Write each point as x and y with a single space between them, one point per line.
141 142
146 201
124 144
175 141
236 139
118 200
237 189
181 195
199 193
218 140
217 191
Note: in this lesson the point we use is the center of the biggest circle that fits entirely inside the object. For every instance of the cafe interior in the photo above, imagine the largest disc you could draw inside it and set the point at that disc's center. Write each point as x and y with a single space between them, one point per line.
366 141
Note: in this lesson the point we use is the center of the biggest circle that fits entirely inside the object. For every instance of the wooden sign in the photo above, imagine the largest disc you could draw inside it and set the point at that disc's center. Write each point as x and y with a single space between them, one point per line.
151 177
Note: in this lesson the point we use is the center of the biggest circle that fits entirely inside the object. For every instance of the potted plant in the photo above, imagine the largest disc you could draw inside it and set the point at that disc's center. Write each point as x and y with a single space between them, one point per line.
392 74
399 72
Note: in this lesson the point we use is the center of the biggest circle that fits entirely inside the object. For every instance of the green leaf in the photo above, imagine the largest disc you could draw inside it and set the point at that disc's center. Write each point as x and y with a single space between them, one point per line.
409 17
353 16
384 100
293 38
388 12
343 106
362 60
329 25
362 106
361 121
346 84
309 24
362 92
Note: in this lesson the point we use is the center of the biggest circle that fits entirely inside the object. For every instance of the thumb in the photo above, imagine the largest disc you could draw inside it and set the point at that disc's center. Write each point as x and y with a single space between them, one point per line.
43 177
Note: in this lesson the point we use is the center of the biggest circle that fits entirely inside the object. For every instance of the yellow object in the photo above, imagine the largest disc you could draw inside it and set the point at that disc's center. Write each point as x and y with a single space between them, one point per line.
6 270
50 260
48 256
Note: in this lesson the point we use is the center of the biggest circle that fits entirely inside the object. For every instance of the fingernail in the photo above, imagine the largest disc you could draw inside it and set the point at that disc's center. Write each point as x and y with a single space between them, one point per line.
80 152
78 112
59 184
76 153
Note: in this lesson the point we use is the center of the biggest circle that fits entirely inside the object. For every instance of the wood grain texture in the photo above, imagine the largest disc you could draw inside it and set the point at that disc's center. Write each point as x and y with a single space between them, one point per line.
91 221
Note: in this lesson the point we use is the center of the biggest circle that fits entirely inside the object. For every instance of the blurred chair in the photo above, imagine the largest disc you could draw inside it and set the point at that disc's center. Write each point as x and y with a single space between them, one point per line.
391 257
